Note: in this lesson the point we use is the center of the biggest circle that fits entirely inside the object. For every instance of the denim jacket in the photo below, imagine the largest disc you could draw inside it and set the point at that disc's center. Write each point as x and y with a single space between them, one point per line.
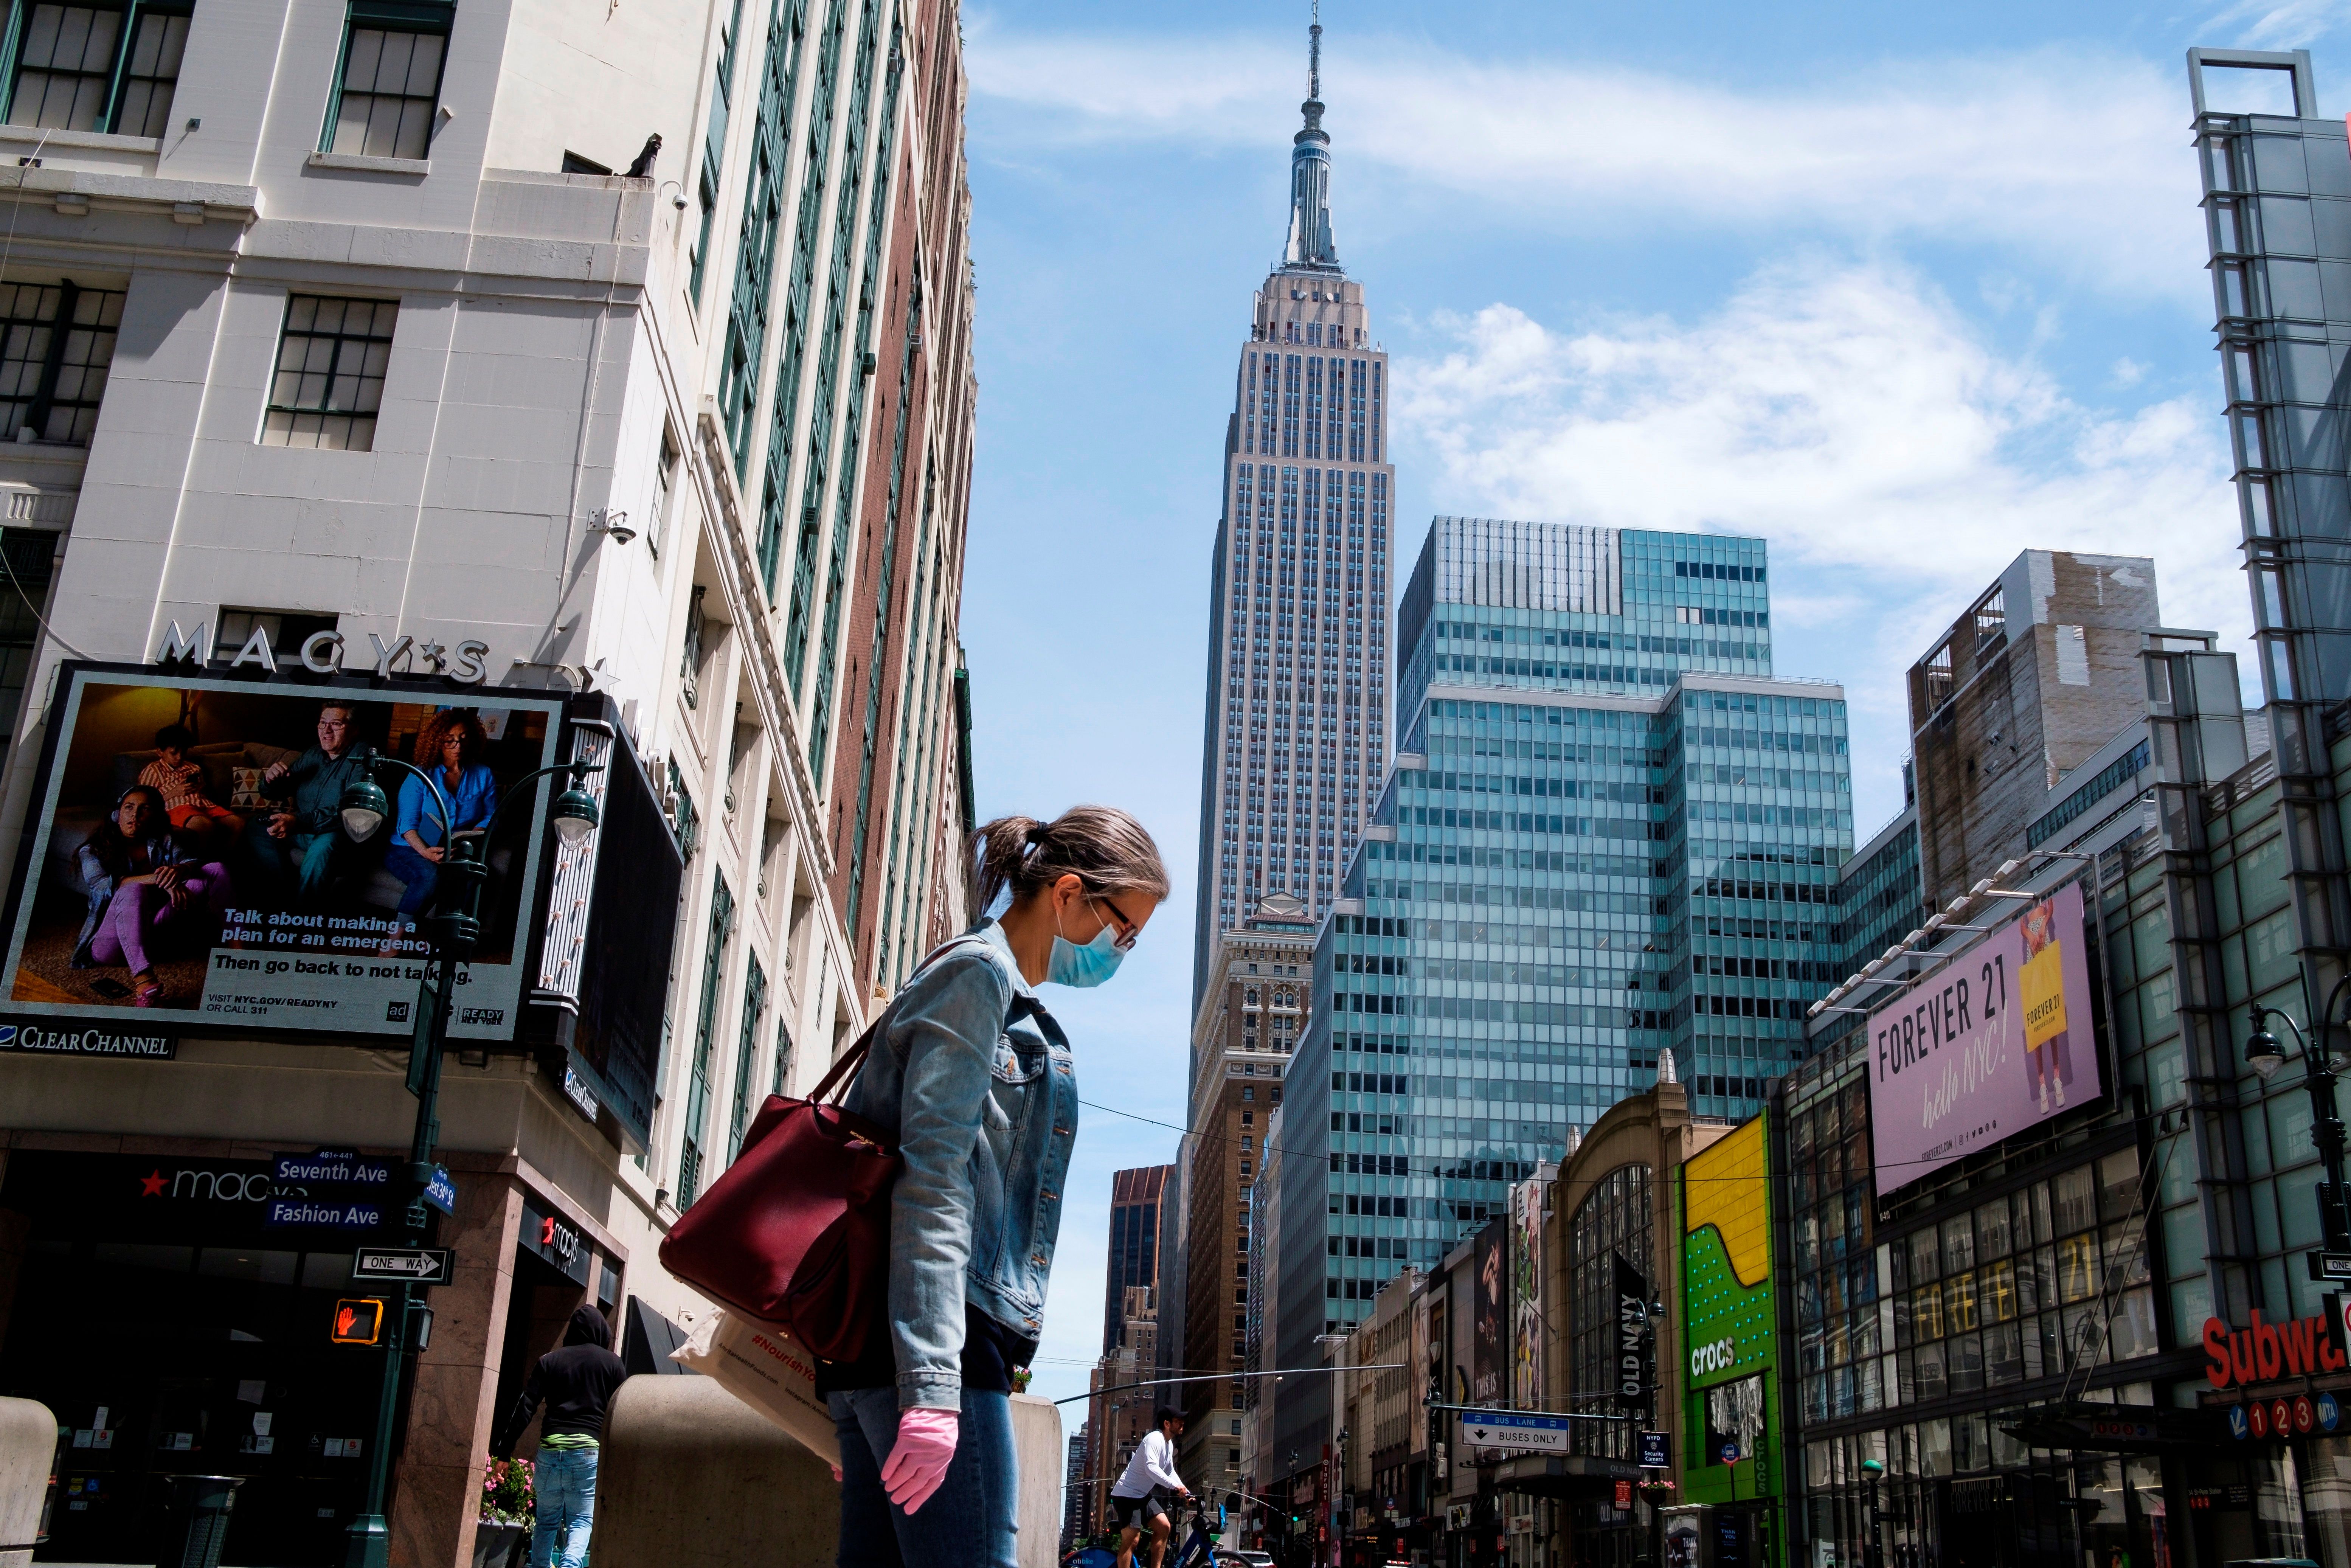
985 1113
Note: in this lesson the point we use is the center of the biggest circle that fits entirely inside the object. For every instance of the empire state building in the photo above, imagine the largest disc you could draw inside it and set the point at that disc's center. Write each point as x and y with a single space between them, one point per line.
1299 644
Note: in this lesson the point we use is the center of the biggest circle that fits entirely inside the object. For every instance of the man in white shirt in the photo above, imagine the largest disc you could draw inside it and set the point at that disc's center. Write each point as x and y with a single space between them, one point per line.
1139 1501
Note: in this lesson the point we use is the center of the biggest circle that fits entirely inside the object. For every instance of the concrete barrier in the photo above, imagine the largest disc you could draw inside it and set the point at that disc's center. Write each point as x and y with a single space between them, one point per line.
28 1447
1044 1466
688 1470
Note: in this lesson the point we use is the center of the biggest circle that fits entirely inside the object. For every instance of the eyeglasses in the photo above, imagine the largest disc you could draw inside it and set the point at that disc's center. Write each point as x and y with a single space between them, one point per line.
1127 929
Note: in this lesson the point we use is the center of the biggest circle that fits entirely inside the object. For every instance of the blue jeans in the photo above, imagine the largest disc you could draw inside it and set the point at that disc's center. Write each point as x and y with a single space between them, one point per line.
418 878
564 1482
971 1519
299 867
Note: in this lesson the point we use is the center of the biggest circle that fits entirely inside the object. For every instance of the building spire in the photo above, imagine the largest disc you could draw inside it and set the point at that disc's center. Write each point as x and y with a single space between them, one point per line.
1314 55
1309 168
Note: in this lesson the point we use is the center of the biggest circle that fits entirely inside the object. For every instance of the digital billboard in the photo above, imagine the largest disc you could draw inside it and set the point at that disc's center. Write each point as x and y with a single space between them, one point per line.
1993 1042
1527 1200
1490 1317
185 863
1729 1320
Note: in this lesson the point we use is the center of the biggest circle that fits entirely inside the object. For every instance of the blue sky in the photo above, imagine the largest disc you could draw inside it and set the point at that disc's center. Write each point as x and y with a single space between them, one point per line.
1903 290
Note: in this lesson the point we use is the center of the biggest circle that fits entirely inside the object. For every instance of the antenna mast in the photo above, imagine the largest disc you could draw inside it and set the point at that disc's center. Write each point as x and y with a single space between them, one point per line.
1314 55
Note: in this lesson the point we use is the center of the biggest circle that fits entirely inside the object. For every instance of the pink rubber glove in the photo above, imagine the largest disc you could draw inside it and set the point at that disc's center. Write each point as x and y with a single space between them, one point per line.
926 1441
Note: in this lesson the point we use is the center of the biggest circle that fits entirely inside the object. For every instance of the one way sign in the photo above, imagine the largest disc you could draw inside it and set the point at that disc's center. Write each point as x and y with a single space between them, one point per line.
1515 1429
416 1265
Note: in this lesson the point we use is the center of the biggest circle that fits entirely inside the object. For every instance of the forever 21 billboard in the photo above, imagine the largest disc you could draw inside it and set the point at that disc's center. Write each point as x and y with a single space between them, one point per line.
186 864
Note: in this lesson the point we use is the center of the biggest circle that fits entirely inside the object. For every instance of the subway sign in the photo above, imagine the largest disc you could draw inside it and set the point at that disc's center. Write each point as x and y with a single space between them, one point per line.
2264 1353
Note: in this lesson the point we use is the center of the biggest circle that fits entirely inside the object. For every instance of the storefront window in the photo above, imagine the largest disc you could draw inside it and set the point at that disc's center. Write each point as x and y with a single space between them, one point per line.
1963 1363
1958 1244
2003 1354
2277 1503
1925 1258
1991 1229
2074 1198
2326 1498
2118 1183
1613 1221
1934 1448
1960 1301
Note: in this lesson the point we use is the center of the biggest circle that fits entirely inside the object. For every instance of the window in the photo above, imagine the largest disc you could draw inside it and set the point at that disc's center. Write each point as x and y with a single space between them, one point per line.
287 630
28 554
98 68
690 662
664 494
390 82
713 149
755 1004
697 1102
330 368
56 344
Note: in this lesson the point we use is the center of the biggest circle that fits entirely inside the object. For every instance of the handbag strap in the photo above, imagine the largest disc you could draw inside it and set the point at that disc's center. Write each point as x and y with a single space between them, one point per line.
843 1069
842 1074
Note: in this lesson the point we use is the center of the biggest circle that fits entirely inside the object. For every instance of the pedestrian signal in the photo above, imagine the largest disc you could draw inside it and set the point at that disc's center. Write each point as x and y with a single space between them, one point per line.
360 1322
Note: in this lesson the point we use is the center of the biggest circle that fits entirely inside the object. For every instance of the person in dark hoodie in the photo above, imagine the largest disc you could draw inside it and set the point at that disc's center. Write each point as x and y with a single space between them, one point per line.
576 1384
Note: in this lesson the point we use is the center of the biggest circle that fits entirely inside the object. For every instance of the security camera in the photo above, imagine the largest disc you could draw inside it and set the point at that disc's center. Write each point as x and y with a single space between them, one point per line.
612 522
678 201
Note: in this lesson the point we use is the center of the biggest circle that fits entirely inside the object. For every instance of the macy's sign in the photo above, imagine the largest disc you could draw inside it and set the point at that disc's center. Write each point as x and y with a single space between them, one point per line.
2265 1352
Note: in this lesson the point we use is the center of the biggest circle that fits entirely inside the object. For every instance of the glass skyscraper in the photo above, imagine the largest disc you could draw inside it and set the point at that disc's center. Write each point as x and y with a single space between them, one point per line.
1610 831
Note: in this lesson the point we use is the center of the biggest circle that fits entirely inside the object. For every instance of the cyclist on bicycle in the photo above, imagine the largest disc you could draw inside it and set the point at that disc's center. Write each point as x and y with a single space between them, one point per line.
1139 1501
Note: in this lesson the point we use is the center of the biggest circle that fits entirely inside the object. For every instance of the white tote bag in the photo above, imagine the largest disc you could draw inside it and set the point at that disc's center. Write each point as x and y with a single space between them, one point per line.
767 1369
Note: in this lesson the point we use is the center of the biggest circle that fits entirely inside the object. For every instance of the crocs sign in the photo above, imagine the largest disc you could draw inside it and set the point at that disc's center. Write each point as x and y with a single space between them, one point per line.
2267 1352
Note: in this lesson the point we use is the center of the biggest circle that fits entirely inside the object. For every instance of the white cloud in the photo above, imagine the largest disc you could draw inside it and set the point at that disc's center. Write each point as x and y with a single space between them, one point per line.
1816 609
2076 157
1848 414
2279 23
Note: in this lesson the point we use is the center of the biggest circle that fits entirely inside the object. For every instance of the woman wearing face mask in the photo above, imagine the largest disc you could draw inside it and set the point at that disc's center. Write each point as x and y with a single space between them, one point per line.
973 1078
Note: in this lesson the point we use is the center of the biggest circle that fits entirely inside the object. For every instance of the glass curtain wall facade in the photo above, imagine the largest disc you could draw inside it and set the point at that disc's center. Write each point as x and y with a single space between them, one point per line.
1879 897
1593 848
1947 1329
2277 211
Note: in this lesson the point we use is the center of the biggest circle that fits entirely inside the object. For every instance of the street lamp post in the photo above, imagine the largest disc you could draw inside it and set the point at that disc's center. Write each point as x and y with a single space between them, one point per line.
454 934
1874 1555
2264 1057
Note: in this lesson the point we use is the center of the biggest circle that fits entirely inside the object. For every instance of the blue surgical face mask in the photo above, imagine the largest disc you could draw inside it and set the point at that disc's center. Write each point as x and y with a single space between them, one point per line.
1091 964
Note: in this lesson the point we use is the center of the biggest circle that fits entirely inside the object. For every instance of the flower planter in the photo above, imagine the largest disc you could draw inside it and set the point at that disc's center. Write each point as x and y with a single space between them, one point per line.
493 1543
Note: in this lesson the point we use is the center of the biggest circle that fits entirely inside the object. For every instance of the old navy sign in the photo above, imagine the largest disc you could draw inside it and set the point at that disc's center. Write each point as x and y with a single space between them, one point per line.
2264 1353
1632 1335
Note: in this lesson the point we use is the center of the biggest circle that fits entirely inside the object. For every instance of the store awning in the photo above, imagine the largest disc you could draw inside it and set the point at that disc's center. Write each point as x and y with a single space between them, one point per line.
2117 1428
1563 1476
647 1341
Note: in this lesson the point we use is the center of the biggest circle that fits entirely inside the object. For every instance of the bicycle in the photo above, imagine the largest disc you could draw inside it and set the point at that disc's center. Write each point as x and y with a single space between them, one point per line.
1199 1548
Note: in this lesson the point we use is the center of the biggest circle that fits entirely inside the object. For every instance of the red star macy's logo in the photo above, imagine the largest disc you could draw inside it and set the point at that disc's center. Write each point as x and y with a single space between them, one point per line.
152 1186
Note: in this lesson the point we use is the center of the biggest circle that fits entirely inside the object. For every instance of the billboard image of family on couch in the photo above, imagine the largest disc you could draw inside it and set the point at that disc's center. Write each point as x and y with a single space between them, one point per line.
192 854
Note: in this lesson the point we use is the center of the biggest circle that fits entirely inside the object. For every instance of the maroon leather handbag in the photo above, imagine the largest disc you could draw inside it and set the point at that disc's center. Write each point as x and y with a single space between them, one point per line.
796 1232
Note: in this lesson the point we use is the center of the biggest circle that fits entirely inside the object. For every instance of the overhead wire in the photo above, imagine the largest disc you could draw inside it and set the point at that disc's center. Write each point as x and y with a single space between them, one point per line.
1304 1154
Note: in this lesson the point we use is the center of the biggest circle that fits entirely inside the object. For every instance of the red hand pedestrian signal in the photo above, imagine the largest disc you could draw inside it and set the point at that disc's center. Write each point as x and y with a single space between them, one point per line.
359 1322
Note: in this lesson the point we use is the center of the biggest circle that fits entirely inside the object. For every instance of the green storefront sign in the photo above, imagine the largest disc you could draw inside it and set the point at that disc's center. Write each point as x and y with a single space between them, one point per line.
1731 1414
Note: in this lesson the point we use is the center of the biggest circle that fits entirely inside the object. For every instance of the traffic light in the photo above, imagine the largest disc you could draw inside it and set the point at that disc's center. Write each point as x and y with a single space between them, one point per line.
359 1322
